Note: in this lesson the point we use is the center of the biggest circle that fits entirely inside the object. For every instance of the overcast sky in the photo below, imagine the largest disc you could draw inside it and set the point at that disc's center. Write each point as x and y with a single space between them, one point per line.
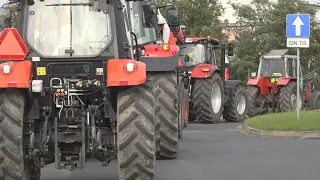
229 11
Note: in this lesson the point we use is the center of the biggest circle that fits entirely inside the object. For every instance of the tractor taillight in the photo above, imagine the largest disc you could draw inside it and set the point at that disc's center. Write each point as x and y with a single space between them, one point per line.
205 69
130 67
6 69
58 94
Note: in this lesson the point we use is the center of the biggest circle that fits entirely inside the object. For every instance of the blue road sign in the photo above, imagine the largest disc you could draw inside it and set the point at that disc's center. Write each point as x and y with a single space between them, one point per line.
298 26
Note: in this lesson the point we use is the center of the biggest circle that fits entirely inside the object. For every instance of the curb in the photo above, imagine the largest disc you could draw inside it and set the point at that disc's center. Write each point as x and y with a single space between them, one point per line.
282 134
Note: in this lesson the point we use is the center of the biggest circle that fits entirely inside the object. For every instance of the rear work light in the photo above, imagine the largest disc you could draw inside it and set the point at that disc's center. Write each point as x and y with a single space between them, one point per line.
130 67
6 69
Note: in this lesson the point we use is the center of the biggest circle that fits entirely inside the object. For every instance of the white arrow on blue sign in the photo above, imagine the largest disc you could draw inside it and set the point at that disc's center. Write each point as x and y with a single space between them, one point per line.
298 30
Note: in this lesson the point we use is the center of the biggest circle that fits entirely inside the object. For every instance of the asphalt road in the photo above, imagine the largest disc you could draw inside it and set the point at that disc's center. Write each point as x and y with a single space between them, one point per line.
221 152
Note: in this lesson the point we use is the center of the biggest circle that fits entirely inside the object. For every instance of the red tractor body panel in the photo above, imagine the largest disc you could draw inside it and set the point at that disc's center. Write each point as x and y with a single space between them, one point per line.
155 50
19 77
264 83
119 76
203 71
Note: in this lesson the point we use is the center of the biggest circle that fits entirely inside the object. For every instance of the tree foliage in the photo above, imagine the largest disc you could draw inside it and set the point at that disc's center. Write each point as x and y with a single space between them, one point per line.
201 17
266 22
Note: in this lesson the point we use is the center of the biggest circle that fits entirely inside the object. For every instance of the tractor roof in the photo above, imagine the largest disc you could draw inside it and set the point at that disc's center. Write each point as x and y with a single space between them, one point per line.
278 52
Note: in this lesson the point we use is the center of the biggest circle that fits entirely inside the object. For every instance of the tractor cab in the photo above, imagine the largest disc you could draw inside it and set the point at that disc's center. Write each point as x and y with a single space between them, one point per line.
197 51
277 64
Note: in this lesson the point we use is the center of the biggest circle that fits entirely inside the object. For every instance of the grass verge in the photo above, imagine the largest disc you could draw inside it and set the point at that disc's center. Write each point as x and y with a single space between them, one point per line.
287 121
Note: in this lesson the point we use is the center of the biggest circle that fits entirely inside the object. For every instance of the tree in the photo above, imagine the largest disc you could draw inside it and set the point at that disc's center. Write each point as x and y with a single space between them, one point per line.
201 17
268 31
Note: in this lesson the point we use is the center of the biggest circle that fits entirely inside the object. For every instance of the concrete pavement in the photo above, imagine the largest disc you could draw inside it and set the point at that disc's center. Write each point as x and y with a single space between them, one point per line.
221 152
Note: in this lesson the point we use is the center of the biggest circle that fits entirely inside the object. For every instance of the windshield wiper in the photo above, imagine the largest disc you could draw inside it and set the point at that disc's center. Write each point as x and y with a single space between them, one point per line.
71 4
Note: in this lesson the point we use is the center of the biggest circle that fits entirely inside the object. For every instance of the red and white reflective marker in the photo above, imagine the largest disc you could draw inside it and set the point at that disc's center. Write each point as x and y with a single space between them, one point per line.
12 46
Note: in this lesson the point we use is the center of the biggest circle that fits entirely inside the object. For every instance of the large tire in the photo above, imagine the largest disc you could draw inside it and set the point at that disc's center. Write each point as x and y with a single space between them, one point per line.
166 103
253 94
180 110
238 109
13 166
314 102
186 110
135 132
204 90
285 96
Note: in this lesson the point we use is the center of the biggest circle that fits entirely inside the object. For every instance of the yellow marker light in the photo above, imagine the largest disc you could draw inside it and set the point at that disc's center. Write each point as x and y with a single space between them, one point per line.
166 47
58 90
208 37
62 90
205 69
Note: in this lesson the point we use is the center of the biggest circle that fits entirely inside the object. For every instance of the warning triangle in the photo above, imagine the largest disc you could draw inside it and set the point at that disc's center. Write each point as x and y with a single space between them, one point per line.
12 46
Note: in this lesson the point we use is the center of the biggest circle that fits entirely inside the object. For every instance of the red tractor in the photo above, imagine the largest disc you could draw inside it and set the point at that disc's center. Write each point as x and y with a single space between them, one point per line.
71 90
212 95
275 85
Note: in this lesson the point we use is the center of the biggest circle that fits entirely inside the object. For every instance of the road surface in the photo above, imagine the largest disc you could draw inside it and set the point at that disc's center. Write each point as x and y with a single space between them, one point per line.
221 152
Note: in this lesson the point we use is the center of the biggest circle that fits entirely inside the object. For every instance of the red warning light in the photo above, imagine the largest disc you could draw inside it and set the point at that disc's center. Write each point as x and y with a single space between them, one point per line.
12 46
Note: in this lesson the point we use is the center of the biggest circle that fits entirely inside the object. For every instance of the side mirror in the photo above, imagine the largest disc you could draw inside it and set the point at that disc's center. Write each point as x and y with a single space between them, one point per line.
230 49
253 74
149 16
173 17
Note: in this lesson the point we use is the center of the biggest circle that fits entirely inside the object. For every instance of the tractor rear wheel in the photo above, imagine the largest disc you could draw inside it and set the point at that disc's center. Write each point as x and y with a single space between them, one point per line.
237 110
166 114
288 97
135 132
186 110
209 98
254 101
180 110
12 116
314 102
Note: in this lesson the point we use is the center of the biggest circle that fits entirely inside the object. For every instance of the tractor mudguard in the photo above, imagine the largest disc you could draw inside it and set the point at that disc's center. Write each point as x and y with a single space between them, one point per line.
18 74
283 81
230 86
158 59
204 71
125 72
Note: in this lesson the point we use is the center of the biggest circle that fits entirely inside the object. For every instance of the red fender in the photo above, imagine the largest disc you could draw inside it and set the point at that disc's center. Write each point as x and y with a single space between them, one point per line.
283 81
19 77
118 75
154 50
203 71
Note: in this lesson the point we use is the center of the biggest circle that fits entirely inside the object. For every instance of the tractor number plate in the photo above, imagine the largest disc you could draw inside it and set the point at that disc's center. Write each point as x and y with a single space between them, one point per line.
41 71
99 71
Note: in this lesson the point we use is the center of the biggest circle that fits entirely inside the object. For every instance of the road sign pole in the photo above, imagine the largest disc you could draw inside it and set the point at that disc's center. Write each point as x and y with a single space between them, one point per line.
298 84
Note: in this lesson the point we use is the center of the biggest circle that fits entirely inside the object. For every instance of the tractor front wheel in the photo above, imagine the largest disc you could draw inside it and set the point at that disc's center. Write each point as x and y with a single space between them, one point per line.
236 111
135 132
166 114
254 101
208 96
288 97
13 164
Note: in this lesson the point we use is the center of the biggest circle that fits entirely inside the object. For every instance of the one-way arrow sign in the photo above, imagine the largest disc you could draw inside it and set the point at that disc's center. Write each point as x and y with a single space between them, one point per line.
298 23
298 30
